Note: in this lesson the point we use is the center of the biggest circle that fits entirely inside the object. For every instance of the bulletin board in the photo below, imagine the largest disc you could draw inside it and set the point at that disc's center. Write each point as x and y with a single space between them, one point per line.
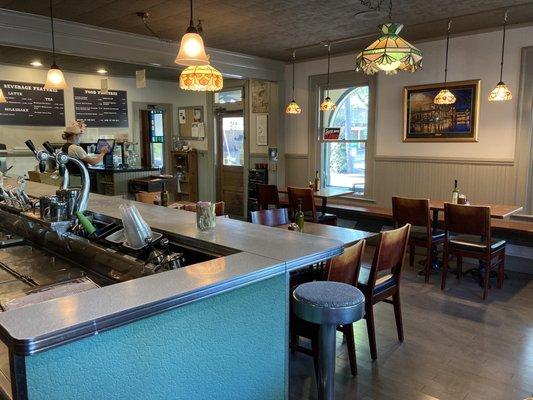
191 123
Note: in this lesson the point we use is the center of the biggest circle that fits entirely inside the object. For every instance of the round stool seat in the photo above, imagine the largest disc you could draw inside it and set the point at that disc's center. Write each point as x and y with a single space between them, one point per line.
328 302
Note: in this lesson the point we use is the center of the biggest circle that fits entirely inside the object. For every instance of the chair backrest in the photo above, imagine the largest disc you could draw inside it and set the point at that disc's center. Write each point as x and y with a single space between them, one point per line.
307 197
470 220
410 211
345 268
148 197
267 195
272 217
389 254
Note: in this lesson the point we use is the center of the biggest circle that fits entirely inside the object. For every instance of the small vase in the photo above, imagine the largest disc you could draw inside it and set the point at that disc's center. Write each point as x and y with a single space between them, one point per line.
205 216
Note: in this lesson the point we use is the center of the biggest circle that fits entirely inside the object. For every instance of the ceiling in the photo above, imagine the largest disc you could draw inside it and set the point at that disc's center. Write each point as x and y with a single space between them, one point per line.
23 57
270 28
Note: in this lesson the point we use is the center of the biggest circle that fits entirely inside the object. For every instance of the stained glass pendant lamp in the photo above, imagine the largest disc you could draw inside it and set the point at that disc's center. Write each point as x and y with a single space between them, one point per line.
501 92
327 104
201 78
445 97
293 107
54 78
2 97
390 52
192 50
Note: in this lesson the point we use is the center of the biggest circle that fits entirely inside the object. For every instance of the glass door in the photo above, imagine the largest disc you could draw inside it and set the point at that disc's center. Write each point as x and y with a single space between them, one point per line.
156 138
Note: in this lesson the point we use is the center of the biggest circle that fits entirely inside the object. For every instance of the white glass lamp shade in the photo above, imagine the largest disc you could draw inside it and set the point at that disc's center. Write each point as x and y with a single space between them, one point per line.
444 97
192 50
55 79
500 93
203 78
2 97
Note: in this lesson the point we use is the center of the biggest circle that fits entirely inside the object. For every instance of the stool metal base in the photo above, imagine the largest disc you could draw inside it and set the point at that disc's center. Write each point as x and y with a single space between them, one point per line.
326 362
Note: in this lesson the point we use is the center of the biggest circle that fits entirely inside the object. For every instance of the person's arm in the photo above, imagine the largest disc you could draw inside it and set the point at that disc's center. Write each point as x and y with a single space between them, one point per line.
82 155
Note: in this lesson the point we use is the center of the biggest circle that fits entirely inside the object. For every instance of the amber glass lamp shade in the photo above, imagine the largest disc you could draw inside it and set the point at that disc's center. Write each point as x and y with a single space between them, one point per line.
202 78
500 93
444 97
55 79
390 53
192 50
327 104
2 97
293 108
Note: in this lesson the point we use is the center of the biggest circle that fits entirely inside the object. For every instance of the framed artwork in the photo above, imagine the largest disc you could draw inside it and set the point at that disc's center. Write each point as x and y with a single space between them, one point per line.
425 121
260 97
262 129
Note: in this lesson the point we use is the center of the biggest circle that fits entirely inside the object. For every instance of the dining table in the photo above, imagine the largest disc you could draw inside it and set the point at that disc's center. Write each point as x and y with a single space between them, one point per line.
324 194
347 236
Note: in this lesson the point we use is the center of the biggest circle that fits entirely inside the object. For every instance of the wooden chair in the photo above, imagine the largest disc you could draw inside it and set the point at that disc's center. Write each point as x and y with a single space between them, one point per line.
148 197
307 197
267 195
472 238
272 217
344 268
382 280
417 213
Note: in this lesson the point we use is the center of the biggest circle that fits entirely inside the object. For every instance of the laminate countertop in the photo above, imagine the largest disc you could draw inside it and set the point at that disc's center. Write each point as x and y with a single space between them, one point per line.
255 253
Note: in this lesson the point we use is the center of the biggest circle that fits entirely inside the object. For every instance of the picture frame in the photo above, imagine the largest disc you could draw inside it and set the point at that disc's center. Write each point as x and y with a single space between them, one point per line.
424 121
262 129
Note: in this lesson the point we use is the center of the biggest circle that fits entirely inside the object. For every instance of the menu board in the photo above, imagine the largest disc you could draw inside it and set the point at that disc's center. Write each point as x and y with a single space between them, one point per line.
31 104
99 110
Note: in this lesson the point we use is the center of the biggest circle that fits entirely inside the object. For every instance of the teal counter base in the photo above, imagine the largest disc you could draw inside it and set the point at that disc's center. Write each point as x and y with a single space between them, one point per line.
229 346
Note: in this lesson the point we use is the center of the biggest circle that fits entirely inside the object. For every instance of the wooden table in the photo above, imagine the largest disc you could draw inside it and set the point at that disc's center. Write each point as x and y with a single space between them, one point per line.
324 194
499 211
347 236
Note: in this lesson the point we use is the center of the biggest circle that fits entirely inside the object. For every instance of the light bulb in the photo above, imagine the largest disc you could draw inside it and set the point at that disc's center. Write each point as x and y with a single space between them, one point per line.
55 79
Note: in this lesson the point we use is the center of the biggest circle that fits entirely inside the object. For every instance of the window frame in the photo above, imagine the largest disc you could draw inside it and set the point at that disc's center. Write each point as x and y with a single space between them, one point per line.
317 83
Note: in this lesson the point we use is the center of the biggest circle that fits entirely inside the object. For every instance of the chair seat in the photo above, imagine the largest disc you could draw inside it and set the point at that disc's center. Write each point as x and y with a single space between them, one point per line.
475 244
420 233
382 283
328 302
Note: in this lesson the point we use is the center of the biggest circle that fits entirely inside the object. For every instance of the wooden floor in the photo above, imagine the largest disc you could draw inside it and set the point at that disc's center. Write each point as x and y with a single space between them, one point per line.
456 346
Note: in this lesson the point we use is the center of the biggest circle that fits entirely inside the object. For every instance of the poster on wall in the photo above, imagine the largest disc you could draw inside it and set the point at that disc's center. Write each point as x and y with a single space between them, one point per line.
262 129
426 121
30 104
331 133
100 110
260 97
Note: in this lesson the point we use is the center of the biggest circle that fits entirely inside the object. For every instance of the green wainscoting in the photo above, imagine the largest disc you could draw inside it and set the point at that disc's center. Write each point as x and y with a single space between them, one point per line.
229 346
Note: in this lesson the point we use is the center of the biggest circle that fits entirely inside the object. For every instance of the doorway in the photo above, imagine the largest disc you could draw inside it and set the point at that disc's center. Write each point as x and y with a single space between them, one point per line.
230 160
152 138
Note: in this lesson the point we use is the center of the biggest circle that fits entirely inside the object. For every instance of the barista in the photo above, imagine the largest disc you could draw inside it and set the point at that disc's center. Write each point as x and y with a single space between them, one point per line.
72 136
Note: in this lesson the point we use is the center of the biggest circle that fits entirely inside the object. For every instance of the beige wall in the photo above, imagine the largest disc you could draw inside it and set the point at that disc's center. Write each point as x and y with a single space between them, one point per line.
402 168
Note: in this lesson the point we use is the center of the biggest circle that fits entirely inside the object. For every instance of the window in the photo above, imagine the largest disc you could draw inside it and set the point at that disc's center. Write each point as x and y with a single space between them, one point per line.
344 160
228 96
233 141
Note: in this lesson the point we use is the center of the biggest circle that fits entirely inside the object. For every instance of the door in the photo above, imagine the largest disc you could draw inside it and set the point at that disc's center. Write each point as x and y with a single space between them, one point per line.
230 160
152 138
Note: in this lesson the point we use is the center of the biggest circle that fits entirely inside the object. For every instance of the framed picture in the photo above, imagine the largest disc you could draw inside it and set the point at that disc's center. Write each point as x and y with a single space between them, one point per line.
425 121
262 129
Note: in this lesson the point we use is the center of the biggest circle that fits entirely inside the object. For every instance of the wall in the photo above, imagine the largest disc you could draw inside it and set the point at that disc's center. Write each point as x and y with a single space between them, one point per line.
155 92
424 169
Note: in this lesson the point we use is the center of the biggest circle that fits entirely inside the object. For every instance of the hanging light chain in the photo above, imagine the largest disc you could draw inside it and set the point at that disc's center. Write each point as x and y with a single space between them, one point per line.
293 67
390 10
503 43
447 47
329 61
53 35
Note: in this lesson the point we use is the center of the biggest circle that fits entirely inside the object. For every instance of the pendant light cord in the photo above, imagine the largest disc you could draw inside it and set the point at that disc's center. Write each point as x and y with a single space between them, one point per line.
53 39
293 64
503 44
329 59
390 11
191 22
447 47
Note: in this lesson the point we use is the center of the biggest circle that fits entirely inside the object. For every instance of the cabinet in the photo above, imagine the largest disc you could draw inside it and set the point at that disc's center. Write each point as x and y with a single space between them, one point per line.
185 167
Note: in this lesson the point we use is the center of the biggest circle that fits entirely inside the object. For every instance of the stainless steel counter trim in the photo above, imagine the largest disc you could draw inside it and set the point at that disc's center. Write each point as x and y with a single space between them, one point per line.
26 347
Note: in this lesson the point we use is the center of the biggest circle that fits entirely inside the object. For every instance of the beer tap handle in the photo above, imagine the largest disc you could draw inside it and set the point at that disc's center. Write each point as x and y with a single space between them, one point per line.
31 146
49 148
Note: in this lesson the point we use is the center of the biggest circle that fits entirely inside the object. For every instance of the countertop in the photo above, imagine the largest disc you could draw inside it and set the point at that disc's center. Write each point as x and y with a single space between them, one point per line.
260 252
116 170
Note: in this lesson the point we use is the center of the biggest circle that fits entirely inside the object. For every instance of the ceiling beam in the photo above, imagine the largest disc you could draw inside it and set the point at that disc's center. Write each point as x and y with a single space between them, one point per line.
32 31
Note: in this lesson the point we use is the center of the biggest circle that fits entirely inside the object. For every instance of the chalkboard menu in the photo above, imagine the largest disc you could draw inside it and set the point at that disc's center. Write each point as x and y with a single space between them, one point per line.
31 104
101 110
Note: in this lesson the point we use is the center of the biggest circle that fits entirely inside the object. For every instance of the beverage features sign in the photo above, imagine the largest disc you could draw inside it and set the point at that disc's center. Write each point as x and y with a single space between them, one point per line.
100 110
331 133
29 104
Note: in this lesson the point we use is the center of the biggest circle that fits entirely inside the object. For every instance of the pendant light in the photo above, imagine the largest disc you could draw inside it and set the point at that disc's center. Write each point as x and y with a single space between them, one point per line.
327 104
293 107
390 53
192 50
2 97
54 78
201 78
501 92
445 97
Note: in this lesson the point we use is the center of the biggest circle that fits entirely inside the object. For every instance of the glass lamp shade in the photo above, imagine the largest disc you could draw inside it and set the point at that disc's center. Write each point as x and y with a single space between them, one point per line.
444 97
55 79
390 53
327 104
500 93
2 97
192 50
201 78
293 108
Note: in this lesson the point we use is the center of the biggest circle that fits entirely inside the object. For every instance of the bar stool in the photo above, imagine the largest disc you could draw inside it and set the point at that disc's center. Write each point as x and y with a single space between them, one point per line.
328 304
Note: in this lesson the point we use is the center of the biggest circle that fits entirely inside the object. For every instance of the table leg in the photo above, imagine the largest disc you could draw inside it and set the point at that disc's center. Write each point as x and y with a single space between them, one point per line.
324 204
435 264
